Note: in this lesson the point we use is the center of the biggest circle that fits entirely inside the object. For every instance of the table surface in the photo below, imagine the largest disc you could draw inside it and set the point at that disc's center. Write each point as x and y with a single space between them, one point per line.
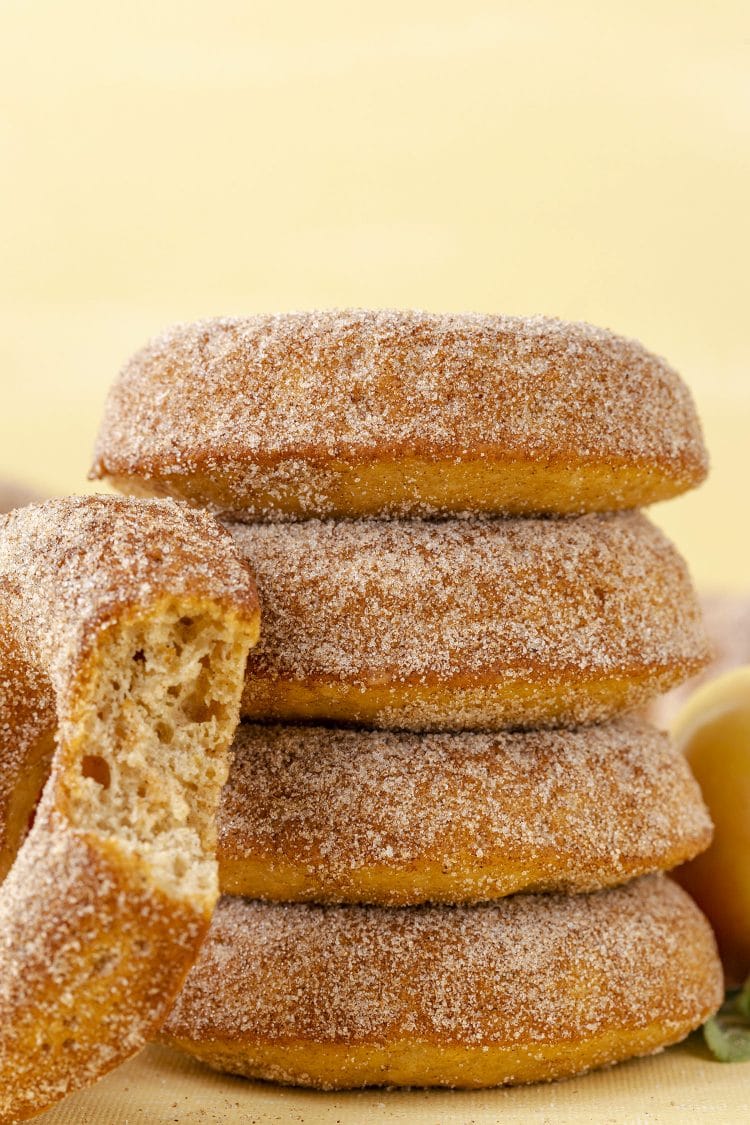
161 1086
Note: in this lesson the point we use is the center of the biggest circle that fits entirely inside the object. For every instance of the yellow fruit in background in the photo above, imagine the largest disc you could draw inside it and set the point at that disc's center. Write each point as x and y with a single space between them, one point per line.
713 729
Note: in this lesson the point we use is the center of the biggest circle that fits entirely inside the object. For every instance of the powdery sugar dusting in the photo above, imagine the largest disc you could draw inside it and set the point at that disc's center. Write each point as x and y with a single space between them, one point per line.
526 969
60 906
590 807
27 712
413 601
341 383
91 949
67 565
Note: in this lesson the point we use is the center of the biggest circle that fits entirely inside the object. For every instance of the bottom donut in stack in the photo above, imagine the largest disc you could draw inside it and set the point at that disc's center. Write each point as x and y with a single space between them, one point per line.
526 989
429 982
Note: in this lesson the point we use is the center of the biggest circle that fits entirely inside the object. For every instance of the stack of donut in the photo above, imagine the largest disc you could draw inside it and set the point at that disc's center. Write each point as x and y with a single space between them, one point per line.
443 839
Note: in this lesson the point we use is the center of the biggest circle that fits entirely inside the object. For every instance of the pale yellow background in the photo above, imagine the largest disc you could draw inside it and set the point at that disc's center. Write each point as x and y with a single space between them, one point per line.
167 159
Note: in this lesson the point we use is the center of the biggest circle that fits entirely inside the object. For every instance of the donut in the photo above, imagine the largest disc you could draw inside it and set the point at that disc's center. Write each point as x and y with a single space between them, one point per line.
312 814
528 989
125 630
356 413
467 624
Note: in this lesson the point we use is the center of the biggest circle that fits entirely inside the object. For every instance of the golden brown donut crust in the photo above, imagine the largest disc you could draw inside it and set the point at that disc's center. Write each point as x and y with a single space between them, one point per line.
467 624
27 740
99 919
527 989
353 413
314 814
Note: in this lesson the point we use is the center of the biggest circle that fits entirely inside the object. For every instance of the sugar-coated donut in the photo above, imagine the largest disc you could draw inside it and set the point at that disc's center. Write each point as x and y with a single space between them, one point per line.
531 988
356 413
466 624
124 634
314 814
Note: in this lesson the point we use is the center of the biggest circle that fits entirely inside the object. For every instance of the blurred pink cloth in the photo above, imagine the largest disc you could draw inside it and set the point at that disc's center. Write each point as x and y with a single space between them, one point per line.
727 618
15 495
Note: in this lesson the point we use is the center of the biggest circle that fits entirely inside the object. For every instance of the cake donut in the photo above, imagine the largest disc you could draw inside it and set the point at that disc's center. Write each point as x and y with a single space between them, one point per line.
528 989
323 815
125 630
467 624
358 413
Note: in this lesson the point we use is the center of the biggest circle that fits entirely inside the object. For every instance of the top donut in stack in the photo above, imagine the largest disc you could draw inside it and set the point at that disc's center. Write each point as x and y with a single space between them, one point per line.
399 414
445 618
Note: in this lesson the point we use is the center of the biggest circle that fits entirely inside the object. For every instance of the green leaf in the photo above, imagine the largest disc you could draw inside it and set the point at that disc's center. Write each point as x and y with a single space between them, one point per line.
743 1001
727 1034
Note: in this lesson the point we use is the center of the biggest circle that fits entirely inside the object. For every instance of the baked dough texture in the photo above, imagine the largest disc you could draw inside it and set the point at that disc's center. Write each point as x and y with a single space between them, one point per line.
467 624
124 634
528 989
314 814
356 413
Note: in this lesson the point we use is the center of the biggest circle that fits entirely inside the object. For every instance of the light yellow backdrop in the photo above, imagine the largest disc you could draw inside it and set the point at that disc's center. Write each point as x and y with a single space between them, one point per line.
167 159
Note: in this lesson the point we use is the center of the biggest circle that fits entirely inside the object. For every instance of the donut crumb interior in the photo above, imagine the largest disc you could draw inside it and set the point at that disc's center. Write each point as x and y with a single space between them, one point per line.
152 738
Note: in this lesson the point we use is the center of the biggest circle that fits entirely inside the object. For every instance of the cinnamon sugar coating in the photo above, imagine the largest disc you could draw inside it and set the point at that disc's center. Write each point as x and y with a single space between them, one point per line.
467 624
68 566
325 815
529 988
355 413
108 605
27 724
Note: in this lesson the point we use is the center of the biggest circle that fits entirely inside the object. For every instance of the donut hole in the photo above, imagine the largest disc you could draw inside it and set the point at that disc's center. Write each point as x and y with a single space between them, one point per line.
164 704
